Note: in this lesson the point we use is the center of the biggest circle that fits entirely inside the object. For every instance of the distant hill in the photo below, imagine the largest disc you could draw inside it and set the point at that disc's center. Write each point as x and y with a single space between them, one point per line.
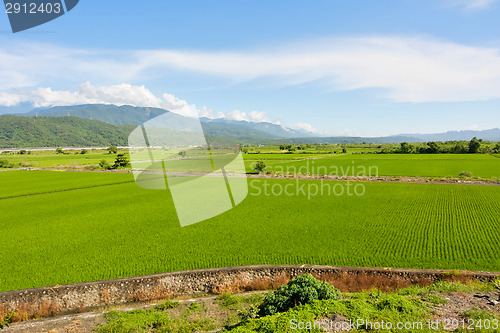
492 135
137 115
24 132
232 130
112 114
276 131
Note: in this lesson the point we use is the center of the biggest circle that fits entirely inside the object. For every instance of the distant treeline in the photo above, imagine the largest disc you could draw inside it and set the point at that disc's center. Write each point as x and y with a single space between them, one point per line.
474 146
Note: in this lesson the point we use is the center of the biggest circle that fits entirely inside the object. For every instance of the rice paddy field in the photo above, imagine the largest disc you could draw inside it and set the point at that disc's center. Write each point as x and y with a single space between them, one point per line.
49 159
411 165
315 162
64 227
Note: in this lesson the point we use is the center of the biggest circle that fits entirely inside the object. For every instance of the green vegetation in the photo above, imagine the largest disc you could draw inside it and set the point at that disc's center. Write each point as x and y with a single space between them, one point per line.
387 307
301 290
260 166
57 132
314 159
147 320
121 162
51 159
234 302
5 322
166 305
112 150
26 183
371 310
80 235
450 287
417 165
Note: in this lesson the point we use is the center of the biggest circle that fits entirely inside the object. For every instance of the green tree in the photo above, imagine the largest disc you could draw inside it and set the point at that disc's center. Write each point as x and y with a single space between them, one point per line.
406 148
474 145
260 166
22 152
433 147
121 161
59 150
182 153
112 150
497 148
84 151
458 149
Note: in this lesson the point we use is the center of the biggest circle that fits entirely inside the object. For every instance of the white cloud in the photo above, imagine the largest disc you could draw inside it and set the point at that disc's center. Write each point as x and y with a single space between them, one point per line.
404 69
253 116
473 127
473 4
304 127
122 94
401 68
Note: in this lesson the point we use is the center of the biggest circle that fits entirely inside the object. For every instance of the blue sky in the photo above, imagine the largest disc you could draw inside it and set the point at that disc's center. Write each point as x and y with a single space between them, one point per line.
335 67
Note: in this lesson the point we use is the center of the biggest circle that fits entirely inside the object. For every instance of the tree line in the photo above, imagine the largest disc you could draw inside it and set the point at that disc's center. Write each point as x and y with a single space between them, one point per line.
474 146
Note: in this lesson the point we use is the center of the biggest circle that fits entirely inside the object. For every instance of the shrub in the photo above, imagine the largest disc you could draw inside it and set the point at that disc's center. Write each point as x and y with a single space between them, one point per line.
6 164
465 174
84 151
103 164
300 290
260 166
112 150
249 313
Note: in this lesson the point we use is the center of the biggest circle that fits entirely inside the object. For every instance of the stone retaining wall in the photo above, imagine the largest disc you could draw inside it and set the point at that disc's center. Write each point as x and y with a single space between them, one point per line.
83 296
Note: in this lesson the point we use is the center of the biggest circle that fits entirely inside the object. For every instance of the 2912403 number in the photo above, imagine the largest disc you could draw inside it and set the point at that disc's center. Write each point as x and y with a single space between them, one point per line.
33 8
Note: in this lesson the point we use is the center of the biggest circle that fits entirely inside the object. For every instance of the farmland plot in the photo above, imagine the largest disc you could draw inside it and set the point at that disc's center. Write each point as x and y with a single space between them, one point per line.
418 165
121 230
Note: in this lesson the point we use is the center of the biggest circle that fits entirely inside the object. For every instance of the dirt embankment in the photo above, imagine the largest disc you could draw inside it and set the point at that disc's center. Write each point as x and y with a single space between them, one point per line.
81 297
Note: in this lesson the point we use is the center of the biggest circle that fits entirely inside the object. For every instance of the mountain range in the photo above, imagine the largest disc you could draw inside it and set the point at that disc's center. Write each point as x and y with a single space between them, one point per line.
109 124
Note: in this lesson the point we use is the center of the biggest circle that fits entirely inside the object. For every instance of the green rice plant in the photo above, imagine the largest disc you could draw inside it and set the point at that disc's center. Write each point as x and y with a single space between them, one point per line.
109 227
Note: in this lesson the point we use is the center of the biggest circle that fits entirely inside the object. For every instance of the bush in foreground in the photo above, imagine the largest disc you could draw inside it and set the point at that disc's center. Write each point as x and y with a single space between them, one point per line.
300 290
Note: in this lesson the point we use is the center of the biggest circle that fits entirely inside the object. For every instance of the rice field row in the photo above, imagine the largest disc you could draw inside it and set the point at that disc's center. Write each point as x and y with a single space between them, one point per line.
122 230
484 166
46 159
21 183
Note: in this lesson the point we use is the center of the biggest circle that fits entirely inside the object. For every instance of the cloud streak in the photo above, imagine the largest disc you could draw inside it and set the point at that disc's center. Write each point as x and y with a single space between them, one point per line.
398 68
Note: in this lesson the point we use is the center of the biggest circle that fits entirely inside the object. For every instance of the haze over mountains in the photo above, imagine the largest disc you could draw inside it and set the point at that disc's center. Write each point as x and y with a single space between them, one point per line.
110 119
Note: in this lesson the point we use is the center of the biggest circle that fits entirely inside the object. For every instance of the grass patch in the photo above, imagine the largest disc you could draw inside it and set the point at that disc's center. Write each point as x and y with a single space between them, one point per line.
450 287
167 305
152 321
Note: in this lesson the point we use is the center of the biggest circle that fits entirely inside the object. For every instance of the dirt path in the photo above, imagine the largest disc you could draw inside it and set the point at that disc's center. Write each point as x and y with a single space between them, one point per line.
87 322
